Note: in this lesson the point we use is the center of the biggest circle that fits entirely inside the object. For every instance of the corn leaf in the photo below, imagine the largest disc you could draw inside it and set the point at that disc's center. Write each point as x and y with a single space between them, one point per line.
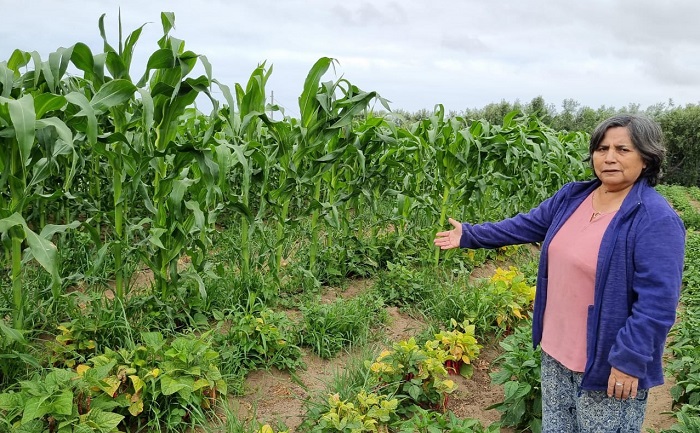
112 94
23 120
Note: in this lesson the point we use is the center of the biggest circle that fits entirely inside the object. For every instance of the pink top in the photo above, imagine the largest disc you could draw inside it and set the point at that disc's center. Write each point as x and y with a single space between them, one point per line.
573 257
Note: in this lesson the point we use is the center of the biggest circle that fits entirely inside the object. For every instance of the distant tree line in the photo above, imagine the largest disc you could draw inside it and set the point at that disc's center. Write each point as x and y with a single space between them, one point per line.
681 126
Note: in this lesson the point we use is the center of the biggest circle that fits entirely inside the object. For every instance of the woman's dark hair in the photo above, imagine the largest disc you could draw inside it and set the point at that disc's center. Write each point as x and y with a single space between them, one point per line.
647 137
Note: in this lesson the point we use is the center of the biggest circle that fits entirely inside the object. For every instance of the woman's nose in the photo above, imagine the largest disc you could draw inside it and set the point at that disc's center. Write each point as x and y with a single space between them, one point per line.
610 155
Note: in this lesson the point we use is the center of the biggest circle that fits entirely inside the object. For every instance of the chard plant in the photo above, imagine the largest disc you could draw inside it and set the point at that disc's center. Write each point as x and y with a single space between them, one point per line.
414 373
368 412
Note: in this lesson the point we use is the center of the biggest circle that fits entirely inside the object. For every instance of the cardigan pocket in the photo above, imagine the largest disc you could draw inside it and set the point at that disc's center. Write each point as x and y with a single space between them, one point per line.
590 330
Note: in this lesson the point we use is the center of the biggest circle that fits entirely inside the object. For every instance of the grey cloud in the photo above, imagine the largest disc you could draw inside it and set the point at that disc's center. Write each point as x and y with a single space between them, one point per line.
668 69
468 44
364 14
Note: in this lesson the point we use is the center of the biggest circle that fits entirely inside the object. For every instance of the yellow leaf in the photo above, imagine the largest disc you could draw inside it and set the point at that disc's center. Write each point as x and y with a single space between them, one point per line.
136 407
110 385
137 382
81 369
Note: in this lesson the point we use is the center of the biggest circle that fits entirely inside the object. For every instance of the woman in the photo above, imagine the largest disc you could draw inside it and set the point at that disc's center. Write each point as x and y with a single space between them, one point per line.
608 282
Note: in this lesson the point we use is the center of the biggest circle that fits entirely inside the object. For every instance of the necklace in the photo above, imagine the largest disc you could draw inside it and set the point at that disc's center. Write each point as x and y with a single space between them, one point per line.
596 214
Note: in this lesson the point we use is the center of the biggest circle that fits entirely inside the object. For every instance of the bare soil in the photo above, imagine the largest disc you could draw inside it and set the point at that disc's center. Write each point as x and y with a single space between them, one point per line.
275 396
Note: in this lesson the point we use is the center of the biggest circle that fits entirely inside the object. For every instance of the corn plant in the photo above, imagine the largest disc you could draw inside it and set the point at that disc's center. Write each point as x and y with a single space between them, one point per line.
182 173
35 145
326 129
246 151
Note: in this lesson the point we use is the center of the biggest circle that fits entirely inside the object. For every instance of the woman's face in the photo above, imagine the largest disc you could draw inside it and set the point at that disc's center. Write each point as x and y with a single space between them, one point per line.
616 161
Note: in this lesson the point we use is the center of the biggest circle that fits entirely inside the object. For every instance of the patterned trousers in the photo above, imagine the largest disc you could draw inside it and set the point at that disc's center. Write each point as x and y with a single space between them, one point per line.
566 408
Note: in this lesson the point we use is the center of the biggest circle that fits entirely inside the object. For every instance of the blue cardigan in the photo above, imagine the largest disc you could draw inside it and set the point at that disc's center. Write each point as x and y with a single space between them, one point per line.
637 283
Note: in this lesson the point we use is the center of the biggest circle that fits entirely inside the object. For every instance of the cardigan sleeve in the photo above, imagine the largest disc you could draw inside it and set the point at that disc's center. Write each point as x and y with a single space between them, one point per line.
520 229
658 271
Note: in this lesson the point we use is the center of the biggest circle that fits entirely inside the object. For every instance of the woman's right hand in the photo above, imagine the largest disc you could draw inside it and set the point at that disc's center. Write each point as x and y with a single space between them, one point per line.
449 239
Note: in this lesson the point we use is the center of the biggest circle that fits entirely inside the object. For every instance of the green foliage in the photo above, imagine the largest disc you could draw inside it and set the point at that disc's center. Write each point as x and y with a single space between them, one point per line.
164 384
679 198
493 305
425 421
171 383
56 401
688 420
691 271
254 338
405 286
16 355
682 135
518 370
684 344
328 328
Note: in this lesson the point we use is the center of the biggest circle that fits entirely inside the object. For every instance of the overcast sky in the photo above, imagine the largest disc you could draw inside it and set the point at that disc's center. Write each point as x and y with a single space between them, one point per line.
459 53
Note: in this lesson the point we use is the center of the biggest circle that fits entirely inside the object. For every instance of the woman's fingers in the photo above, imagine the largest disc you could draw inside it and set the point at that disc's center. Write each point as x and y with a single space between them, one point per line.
622 386
449 239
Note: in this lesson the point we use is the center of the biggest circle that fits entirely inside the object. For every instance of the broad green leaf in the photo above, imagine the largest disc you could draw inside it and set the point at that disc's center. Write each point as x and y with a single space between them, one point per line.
34 408
82 58
45 102
168 21
37 67
18 59
199 218
307 106
44 252
153 340
179 189
154 238
12 221
63 404
6 80
131 40
9 401
99 68
147 103
64 56
12 335
207 66
48 72
23 120
105 421
112 94
186 60
170 386
50 230
81 101
160 59
359 104
116 66
64 133
40 248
